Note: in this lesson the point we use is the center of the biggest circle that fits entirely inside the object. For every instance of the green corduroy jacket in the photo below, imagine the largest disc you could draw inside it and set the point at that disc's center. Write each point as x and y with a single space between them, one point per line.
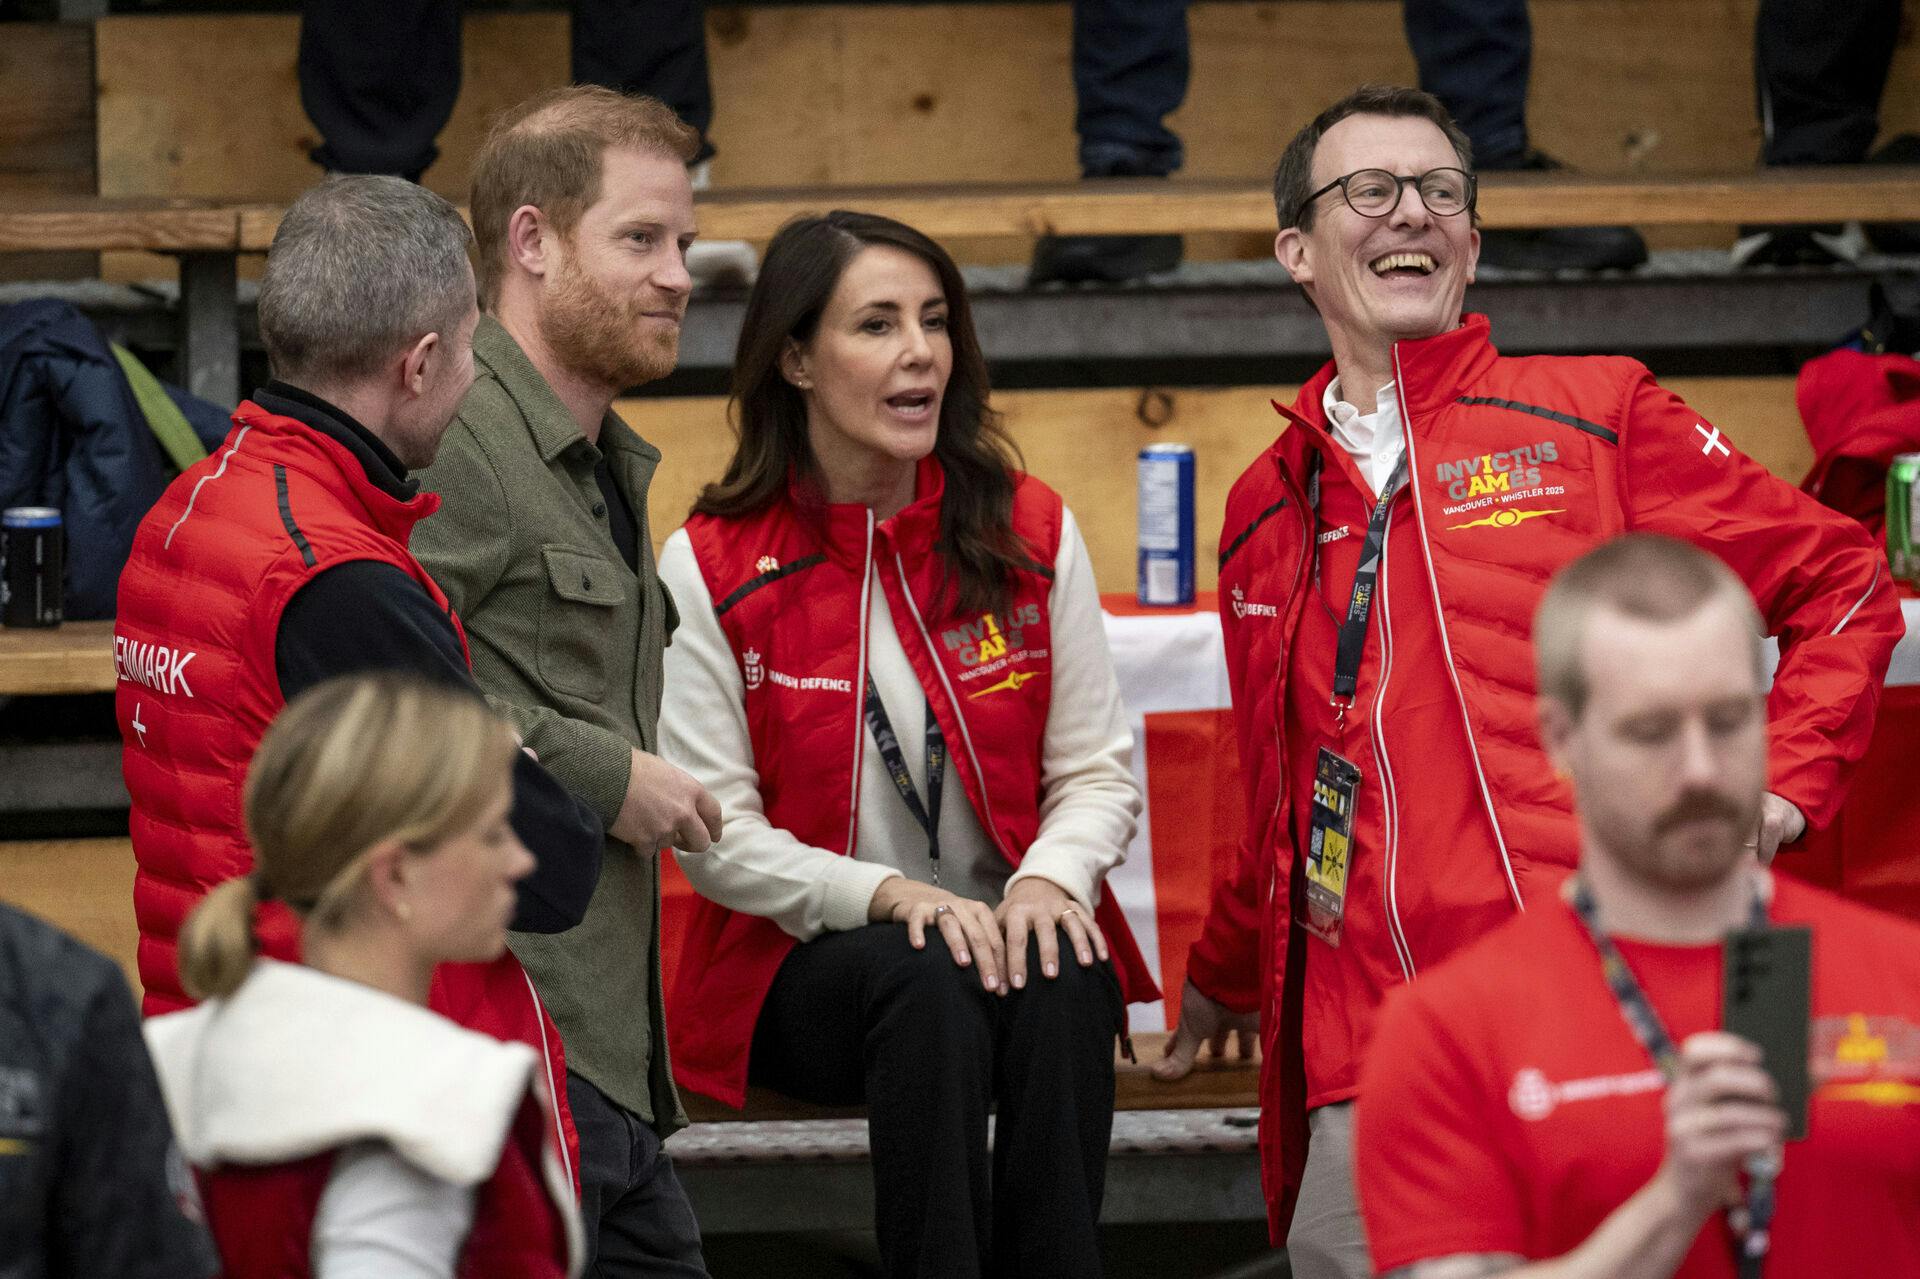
567 643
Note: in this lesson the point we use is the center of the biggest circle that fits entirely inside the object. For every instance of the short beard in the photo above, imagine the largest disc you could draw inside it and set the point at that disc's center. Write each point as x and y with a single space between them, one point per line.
598 335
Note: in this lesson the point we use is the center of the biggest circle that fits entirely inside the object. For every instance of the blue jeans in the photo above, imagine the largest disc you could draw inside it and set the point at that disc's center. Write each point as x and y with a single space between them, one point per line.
1475 56
1130 66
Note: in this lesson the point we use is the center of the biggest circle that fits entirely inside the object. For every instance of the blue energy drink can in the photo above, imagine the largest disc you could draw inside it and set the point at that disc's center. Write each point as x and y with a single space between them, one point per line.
32 566
1166 524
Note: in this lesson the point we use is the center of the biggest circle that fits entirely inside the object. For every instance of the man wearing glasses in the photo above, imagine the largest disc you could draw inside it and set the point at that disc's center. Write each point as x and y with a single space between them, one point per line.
1379 566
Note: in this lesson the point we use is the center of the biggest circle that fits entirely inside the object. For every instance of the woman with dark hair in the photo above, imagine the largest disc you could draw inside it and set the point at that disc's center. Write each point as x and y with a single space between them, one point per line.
892 675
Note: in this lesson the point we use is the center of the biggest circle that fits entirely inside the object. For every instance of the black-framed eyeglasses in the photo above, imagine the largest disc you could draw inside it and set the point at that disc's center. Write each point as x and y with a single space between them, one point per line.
1374 193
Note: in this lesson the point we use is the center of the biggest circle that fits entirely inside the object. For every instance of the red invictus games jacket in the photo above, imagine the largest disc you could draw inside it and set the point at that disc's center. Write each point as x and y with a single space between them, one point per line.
1518 466
792 596
213 566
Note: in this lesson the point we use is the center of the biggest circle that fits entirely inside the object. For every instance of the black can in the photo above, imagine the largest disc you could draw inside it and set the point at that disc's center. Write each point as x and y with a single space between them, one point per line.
33 566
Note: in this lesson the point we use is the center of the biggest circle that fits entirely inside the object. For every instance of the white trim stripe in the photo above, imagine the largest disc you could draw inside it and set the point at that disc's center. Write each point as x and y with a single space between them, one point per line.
1862 600
1446 641
557 1091
868 572
195 495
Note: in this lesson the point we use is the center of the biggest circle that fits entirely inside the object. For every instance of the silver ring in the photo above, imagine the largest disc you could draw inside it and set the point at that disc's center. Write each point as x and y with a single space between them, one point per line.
943 910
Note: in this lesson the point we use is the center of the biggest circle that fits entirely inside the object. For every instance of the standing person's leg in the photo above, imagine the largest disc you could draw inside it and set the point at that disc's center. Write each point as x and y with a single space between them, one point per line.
659 48
1130 69
862 1015
655 47
1476 57
637 1218
1054 1082
378 78
1327 1240
1818 70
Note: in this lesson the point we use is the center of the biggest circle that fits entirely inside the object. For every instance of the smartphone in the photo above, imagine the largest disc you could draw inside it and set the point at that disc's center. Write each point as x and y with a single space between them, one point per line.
1767 1001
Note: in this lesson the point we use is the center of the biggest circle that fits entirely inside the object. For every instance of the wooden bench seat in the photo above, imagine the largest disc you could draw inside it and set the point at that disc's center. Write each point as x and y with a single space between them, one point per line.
208 235
1212 1085
814 1174
1184 206
75 657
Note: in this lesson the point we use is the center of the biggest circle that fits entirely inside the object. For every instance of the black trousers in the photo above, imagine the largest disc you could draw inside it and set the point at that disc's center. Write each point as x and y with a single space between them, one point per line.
638 1221
862 1016
378 78
1819 69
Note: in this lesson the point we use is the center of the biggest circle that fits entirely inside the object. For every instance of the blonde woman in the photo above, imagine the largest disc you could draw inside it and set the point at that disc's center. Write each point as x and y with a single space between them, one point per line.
337 1127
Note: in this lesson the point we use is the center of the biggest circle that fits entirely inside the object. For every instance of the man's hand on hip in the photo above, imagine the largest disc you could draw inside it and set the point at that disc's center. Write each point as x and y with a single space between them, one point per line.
1202 1021
665 807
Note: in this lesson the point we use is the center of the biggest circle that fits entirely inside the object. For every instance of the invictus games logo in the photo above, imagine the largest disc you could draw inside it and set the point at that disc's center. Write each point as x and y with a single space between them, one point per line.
1505 472
984 639
755 673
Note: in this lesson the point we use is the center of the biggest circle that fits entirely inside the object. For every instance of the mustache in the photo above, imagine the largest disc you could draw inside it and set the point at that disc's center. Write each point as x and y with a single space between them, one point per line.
1697 806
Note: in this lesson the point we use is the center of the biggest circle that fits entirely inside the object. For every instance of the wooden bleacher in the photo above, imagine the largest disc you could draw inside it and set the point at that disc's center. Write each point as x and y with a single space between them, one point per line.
208 237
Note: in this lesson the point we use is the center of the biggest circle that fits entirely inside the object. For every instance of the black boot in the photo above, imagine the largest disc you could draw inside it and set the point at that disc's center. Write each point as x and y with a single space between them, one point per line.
1896 237
1566 248
1102 259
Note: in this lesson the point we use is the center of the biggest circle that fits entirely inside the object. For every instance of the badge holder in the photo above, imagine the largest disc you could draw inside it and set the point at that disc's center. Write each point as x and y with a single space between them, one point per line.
1336 790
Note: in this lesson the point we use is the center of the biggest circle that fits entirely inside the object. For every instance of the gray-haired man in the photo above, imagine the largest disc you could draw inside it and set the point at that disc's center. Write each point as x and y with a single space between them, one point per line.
282 560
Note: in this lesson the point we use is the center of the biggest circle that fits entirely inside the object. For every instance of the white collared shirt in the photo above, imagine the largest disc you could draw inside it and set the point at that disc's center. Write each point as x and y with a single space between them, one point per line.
1374 440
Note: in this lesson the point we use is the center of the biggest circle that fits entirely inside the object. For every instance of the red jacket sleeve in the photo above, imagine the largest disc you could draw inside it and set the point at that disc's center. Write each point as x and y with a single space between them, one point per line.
1225 962
1822 585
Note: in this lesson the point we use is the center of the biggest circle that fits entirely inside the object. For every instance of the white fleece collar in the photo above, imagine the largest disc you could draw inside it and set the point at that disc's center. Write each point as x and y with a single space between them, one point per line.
296 1062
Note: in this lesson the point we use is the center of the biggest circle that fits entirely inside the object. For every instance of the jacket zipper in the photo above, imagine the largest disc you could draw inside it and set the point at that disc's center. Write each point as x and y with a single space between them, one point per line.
1446 642
966 739
1389 794
1279 813
953 700
859 687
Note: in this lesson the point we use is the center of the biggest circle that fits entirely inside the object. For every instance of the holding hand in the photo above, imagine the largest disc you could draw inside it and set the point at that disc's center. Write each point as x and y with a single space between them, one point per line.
665 806
1042 908
1721 1111
1202 1021
968 926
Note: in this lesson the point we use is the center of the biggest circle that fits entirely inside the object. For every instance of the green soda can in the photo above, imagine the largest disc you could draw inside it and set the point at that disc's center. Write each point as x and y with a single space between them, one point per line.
1903 516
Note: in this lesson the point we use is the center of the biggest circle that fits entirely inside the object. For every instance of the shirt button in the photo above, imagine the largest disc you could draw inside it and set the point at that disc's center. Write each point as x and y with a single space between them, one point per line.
586 583
599 510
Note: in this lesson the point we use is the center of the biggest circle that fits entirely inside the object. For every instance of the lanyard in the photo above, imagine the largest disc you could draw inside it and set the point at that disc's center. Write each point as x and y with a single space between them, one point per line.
1353 631
883 737
1749 1221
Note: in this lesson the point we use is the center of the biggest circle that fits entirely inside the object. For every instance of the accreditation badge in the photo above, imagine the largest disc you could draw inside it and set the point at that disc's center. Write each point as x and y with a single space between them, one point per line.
1336 786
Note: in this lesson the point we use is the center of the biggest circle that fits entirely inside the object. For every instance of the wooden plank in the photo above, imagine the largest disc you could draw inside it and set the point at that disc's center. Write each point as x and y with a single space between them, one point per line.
84 886
154 224
46 131
73 658
1084 442
1212 1085
1184 206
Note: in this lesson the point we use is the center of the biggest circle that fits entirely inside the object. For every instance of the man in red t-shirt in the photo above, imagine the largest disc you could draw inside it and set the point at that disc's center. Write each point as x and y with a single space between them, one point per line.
1508 1111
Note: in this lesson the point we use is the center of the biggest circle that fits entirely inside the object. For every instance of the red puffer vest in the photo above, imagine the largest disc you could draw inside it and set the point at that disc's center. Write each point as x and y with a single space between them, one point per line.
261 1217
1517 466
791 590
213 566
